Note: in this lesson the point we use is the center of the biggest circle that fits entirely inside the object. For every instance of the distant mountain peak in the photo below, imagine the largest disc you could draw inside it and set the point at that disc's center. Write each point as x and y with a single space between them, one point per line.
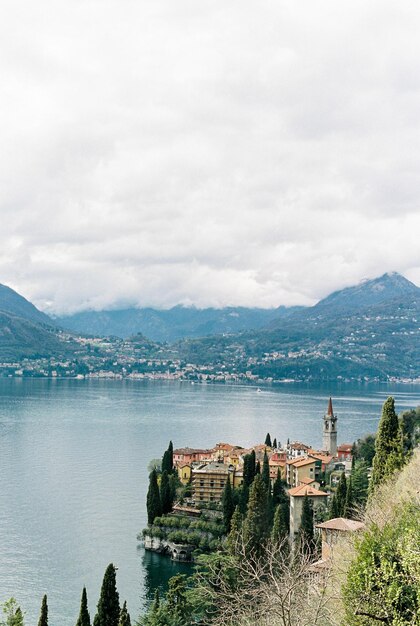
389 286
13 303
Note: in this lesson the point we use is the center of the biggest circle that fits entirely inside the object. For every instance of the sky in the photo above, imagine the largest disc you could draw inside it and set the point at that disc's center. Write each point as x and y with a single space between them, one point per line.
206 152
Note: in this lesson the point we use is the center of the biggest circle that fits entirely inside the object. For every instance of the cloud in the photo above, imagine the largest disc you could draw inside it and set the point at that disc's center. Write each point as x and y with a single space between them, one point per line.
253 153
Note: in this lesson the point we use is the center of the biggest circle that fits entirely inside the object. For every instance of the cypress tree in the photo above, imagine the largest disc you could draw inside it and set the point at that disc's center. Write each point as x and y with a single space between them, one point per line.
235 532
267 441
124 616
341 494
274 443
256 524
349 503
228 505
278 490
243 500
333 511
280 530
360 482
306 531
153 498
266 473
249 468
165 493
171 455
17 617
84 617
43 618
257 468
108 606
388 443
168 459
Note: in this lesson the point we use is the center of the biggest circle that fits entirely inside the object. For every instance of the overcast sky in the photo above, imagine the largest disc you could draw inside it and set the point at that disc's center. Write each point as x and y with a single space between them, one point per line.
207 152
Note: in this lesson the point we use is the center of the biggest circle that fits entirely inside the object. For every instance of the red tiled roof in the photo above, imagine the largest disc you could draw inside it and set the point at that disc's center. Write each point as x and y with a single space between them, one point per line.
306 490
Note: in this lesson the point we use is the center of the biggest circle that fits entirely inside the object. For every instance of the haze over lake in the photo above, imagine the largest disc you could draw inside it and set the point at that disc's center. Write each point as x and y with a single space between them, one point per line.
73 470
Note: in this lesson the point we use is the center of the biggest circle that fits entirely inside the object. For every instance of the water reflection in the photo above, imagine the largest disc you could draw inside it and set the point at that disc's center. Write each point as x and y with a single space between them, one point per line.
157 572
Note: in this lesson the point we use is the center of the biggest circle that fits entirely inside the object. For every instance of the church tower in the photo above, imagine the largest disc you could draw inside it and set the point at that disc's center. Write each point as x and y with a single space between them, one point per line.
329 438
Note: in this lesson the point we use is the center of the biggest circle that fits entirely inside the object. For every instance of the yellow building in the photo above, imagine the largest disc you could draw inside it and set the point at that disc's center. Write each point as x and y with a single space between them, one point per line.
184 473
299 469
208 481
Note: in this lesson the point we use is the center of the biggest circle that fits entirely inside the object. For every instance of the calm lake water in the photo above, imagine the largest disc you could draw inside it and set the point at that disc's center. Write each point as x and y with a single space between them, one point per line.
73 471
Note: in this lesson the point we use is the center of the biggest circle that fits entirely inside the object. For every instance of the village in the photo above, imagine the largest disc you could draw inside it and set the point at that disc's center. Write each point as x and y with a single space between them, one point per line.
307 474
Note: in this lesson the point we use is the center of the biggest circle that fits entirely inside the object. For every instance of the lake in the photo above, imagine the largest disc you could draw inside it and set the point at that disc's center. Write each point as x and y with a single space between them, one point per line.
73 470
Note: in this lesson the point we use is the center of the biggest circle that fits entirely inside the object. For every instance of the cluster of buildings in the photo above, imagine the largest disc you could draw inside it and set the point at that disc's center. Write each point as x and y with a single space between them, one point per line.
304 469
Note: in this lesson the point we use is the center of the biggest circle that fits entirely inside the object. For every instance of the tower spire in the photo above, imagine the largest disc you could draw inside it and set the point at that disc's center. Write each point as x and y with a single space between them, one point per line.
329 434
330 408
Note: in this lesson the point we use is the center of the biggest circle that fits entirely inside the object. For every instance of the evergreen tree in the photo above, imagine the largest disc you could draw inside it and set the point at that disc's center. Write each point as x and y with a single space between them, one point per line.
257 468
267 441
256 524
278 490
266 473
235 532
165 493
13 613
360 482
124 616
156 601
43 618
108 606
306 530
333 510
17 618
153 498
244 497
249 468
176 599
84 617
280 530
349 503
341 494
388 444
168 459
228 505
274 443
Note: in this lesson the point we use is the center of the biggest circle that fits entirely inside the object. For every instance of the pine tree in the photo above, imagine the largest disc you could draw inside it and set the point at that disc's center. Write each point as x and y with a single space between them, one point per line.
306 530
153 498
235 532
228 505
388 443
341 494
124 616
43 618
165 494
274 443
266 473
176 598
256 524
108 606
84 617
267 441
349 503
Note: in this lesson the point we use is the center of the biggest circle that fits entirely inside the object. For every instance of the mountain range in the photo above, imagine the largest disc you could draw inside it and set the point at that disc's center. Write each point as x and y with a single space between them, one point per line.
370 329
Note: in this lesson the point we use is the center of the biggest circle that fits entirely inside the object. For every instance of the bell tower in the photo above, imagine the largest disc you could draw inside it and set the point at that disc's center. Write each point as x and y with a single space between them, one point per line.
329 438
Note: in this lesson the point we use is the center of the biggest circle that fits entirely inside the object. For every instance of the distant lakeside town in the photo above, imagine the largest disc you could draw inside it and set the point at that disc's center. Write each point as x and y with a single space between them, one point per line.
117 359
